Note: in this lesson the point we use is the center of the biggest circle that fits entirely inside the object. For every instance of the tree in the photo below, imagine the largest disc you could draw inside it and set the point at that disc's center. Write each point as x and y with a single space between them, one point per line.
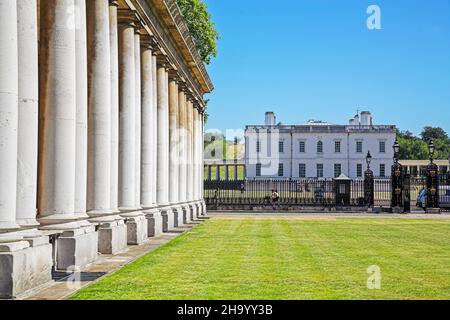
434 133
201 27
416 148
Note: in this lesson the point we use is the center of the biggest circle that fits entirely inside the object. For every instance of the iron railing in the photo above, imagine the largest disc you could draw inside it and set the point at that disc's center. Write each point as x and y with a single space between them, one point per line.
314 192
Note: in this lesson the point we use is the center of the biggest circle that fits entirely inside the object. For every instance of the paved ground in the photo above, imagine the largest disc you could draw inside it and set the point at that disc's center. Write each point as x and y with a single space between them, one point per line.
65 285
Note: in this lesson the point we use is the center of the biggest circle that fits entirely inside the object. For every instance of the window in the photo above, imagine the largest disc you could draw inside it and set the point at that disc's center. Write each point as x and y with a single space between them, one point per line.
302 147
337 170
258 146
258 169
320 147
382 170
337 147
302 170
359 169
281 146
359 147
382 146
280 170
319 170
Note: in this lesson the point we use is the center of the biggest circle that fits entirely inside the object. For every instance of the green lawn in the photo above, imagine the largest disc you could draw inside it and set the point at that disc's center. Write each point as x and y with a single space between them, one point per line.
265 258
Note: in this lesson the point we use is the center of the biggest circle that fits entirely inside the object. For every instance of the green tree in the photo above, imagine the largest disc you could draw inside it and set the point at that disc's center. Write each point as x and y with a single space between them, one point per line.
434 133
416 148
201 27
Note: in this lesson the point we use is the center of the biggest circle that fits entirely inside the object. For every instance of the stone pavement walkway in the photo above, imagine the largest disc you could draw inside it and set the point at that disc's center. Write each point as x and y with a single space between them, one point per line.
65 285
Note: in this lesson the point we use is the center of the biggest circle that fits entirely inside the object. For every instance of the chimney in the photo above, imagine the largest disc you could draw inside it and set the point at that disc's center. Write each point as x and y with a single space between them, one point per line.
270 119
366 118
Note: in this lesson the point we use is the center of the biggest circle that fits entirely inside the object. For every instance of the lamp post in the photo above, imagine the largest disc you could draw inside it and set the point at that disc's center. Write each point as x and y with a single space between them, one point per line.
369 193
432 201
397 182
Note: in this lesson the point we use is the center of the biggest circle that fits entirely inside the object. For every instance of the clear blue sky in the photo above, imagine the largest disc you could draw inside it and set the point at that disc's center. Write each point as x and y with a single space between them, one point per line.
316 59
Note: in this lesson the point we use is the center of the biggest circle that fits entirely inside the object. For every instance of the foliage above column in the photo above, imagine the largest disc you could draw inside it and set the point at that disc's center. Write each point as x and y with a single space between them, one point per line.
201 27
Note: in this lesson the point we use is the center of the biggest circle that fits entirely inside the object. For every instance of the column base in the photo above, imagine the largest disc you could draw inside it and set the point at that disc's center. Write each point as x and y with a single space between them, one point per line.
136 228
186 214
167 219
193 211
154 223
24 265
203 205
199 210
112 236
76 248
177 216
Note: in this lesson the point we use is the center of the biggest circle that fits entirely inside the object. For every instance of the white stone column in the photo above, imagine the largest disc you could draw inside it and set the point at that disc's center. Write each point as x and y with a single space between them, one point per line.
112 230
127 123
57 113
24 265
182 172
163 148
99 128
195 159
190 161
8 114
81 135
174 163
155 128
135 220
137 59
148 163
201 165
114 53
77 245
28 113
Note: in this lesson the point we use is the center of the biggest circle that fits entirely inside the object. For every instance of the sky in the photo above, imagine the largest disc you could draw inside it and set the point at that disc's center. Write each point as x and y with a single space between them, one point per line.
316 59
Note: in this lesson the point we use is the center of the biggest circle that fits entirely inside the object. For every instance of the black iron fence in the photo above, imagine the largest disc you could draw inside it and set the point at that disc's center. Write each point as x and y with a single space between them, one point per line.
298 192
326 193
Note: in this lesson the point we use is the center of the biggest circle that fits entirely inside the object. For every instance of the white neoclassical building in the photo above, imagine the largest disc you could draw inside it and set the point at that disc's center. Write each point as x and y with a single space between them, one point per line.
318 149
101 125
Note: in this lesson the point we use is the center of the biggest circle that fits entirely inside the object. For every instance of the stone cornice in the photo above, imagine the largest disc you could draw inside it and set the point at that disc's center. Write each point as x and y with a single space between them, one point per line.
163 21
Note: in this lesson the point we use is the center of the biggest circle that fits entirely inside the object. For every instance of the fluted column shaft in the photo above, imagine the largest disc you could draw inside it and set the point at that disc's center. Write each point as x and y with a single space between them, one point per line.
127 123
57 113
182 177
190 169
81 135
163 138
173 141
137 59
114 54
148 141
8 113
28 112
155 129
202 155
99 128
195 153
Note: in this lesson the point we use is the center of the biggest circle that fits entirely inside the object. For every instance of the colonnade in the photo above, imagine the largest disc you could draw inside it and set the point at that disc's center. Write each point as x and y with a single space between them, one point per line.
100 137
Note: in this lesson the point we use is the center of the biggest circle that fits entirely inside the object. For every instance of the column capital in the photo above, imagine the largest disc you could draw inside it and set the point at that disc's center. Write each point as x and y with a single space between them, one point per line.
182 86
131 18
174 75
114 3
162 60
149 41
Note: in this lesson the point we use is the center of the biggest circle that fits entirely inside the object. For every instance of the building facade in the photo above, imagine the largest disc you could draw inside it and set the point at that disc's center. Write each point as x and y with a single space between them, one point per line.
318 149
101 125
